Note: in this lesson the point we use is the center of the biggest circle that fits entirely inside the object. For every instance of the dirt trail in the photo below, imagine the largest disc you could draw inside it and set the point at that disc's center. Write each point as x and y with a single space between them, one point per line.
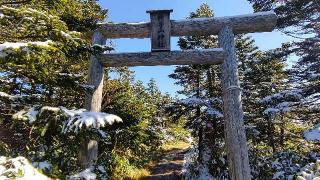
170 166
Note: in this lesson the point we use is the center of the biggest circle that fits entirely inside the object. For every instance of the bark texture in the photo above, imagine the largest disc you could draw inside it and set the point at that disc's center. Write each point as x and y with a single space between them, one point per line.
95 78
235 136
256 22
89 149
210 56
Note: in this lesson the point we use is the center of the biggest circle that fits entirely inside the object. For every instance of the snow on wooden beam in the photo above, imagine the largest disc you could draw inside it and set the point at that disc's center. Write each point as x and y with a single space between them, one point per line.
208 56
249 23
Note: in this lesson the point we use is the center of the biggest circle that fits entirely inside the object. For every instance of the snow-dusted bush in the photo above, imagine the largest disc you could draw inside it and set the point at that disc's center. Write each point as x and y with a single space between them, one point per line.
192 169
21 168
310 171
76 119
56 134
288 165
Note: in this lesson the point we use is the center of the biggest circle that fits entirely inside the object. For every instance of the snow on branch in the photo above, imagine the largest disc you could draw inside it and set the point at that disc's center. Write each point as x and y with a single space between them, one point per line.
77 119
33 113
14 100
271 111
7 96
207 105
282 102
16 45
197 101
94 120
214 112
192 101
294 95
312 100
313 134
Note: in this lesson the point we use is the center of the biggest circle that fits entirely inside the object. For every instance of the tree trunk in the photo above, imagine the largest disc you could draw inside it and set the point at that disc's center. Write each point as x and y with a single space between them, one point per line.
271 135
282 126
198 113
89 149
210 79
235 136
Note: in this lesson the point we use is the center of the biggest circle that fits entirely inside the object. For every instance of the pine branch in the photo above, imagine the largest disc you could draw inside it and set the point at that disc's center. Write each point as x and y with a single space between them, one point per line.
14 2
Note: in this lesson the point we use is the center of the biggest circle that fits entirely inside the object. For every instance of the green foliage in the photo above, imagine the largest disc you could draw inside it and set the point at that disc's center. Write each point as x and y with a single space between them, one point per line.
4 149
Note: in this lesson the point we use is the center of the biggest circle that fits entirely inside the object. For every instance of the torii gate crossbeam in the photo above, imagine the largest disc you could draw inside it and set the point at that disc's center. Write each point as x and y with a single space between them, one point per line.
160 29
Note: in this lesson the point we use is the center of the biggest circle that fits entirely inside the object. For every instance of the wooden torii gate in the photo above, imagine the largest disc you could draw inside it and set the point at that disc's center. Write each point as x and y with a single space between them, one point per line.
160 29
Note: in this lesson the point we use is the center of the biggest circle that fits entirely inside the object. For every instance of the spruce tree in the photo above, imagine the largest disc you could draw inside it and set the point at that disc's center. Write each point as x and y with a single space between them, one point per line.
300 19
45 48
201 85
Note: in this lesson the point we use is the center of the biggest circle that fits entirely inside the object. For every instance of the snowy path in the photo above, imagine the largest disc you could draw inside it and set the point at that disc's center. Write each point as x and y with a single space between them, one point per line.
170 167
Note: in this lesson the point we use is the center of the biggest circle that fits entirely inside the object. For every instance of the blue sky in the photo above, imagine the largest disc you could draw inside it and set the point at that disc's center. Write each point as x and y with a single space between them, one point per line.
135 11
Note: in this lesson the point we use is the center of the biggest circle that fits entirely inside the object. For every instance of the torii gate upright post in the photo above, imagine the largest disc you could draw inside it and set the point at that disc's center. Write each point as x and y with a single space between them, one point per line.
235 137
159 30
88 153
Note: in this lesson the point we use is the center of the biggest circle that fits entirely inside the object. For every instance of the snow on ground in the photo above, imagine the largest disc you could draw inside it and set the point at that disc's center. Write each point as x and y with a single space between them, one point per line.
19 168
86 174
313 134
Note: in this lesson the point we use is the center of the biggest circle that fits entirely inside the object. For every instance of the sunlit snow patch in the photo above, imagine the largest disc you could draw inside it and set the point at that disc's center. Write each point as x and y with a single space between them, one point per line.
86 174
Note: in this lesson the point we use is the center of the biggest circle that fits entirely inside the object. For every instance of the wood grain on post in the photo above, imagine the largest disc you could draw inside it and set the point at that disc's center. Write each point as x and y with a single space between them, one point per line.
209 56
256 22
89 150
95 78
235 136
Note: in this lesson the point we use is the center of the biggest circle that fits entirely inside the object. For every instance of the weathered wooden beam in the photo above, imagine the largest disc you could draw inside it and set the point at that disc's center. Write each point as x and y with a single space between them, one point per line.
249 23
209 56
235 136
